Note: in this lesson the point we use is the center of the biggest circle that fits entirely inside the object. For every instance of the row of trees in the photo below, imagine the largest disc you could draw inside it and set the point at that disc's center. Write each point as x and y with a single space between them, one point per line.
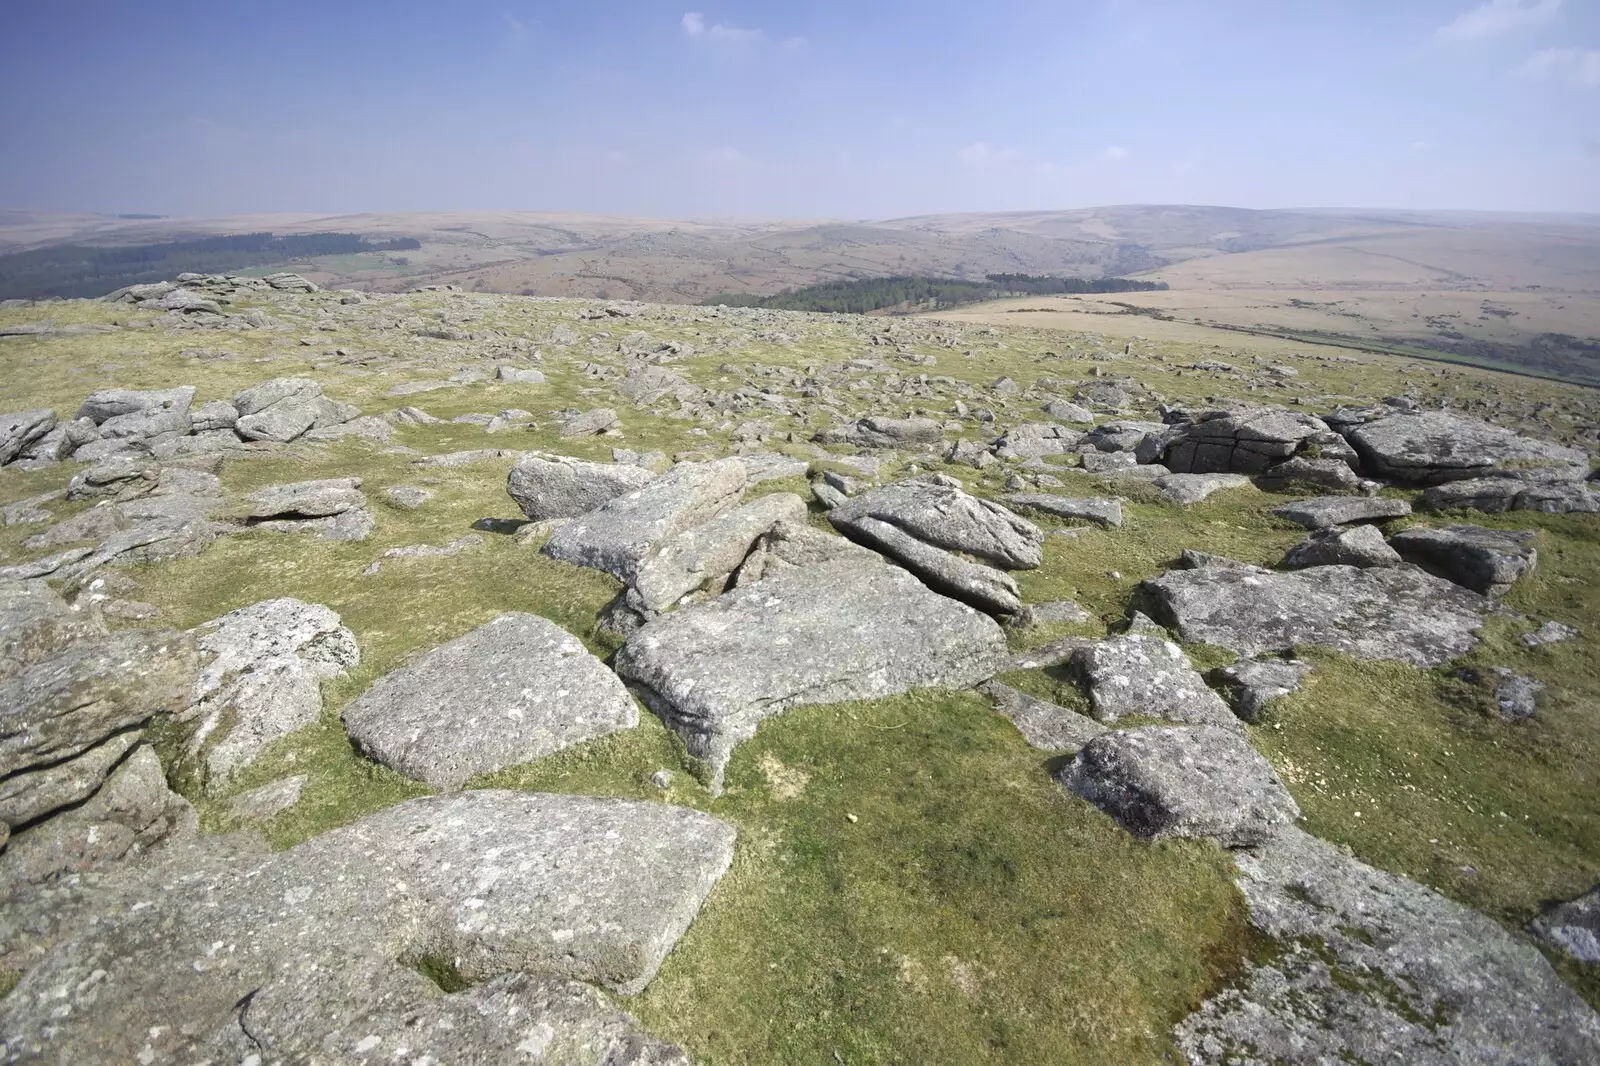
916 293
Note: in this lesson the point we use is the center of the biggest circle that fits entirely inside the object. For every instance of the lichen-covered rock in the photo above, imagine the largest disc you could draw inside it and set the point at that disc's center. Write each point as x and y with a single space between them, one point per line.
262 678
840 630
1183 781
1186 489
1430 447
1339 546
1255 683
35 623
488 883
1494 495
509 692
989 590
1573 927
937 511
1489 561
1145 675
1044 725
556 486
619 535
1106 513
1398 613
107 404
704 555
28 795
1328 511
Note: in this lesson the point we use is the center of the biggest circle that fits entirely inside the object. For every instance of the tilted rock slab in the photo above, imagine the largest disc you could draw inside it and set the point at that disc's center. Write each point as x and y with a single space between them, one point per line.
508 692
1338 546
619 535
1044 725
262 680
555 486
1495 495
1183 781
1489 561
839 630
1106 513
989 590
937 511
700 556
35 623
1436 446
1399 612
1146 675
1325 511
1379 969
18 429
494 883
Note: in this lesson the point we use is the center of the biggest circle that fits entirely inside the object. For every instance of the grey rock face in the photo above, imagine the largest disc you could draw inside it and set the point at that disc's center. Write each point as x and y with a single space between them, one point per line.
1118 463
1043 725
1515 696
114 403
29 795
1489 561
589 423
509 692
408 496
29 511
1254 683
1183 781
771 466
257 399
307 499
1320 473
880 432
519 375
1435 446
142 425
1035 439
1398 613
1243 442
1398 975
1149 676
1573 927
1337 546
213 415
1056 611
115 479
619 535
35 623
707 554
941 513
1341 511
262 678
1494 495
495 882
68 702
260 804
131 811
839 630
551 486
1192 488
1550 633
989 590
789 545
1068 412
1128 436
1106 513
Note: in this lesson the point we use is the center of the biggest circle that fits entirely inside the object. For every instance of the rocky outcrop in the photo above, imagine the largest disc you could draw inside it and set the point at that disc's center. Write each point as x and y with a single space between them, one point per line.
1106 513
319 940
19 429
1328 511
506 693
705 556
840 630
1254 683
1489 561
333 508
262 679
1399 613
1044 725
937 511
1435 446
555 486
1248 441
1144 675
1495 495
880 432
1338 546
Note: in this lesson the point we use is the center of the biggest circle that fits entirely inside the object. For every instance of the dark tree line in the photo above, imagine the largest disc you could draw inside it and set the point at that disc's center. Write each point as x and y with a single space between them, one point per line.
73 270
911 292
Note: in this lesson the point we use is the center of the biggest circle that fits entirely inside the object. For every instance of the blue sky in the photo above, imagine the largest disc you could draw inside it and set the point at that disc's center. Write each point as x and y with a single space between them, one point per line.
841 109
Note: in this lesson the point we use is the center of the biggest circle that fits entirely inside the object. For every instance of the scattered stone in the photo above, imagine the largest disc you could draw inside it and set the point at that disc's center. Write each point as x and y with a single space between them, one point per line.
411 388
262 679
1516 696
408 496
509 692
832 631
475 455
1489 561
1056 611
1186 489
704 556
937 511
1254 683
1342 511
1550 633
662 779
1189 559
1436 446
1113 462
95 524
620 534
1337 546
1495 495
1398 613
556 486
268 801
519 375
1200 782
333 508
1573 927
1328 474
1146 675
1063 411
1106 513
880 432
1043 725
590 423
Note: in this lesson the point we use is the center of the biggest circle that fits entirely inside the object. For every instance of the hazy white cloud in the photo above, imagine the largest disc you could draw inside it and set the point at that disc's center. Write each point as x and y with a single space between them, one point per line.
694 25
1575 66
1494 17
983 154
516 28
1114 153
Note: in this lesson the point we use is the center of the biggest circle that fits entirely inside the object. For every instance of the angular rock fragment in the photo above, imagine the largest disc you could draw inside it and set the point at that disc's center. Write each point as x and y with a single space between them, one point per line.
789 545
1102 512
115 479
268 801
1435 446
1338 546
1573 927
937 511
1254 683
1398 613
832 631
1495 495
1342 510
1192 488
590 423
331 507
1044 725
1489 561
107 404
262 679
620 534
555 486
1183 781
706 554
1330 474
880 432
989 590
509 692
1145 675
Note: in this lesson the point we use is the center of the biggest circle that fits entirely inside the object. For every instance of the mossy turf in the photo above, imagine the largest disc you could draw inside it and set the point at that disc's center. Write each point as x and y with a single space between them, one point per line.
909 884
